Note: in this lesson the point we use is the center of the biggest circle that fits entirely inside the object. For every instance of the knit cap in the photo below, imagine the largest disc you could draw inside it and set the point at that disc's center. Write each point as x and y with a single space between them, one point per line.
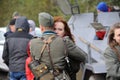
102 6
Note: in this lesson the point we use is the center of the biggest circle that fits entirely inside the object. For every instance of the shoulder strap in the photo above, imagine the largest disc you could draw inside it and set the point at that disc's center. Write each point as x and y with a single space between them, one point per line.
51 61
49 39
66 52
45 45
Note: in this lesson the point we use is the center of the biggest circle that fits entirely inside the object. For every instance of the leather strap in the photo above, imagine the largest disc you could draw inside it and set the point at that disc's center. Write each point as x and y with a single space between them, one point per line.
45 45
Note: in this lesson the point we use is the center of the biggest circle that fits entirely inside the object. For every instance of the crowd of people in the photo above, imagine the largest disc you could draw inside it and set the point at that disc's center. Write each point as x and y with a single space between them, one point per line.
22 48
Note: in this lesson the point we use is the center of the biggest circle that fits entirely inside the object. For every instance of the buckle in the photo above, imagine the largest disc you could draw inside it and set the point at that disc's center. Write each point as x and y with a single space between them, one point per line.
57 72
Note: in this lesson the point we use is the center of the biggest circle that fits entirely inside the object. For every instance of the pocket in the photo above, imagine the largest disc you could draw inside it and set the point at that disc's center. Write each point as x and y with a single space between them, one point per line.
40 70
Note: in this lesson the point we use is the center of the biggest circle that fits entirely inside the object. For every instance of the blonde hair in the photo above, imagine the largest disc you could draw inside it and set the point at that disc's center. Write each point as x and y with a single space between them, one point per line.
111 41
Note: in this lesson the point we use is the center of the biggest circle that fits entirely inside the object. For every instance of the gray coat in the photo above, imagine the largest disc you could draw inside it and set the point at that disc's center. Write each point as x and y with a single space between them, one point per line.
112 64
57 51
15 51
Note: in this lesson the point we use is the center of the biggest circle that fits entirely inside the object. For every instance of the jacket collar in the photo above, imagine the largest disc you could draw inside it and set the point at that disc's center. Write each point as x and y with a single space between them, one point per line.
48 32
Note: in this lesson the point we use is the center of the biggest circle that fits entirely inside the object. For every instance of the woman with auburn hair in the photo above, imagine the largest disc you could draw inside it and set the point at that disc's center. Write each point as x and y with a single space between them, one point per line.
112 53
62 29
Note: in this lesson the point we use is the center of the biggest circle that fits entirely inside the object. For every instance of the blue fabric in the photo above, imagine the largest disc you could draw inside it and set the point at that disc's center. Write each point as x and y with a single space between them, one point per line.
102 6
49 32
17 76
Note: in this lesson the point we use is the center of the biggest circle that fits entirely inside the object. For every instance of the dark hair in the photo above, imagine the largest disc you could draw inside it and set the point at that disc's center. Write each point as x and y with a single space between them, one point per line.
111 41
12 22
66 27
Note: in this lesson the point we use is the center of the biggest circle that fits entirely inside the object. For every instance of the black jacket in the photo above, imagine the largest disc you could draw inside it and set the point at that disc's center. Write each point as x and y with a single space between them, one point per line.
15 50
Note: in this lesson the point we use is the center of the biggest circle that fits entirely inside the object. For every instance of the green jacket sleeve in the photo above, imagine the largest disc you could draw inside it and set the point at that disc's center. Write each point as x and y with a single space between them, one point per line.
74 51
112 63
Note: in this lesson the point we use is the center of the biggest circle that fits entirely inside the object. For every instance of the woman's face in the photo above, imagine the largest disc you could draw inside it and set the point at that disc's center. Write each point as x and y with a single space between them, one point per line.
59 28
117 35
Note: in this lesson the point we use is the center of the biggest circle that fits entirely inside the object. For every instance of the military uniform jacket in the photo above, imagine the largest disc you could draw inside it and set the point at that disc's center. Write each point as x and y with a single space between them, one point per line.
58 47
112 64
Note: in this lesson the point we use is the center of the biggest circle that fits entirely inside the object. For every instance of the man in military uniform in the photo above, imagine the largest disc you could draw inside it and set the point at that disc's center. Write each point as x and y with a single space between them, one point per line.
57 48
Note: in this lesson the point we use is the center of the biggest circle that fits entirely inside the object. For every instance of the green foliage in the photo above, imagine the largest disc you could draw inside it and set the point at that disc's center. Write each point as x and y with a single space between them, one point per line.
28 8
31 8
115 2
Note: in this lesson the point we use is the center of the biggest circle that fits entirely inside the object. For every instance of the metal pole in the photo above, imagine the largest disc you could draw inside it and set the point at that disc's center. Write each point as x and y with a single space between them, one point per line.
89 53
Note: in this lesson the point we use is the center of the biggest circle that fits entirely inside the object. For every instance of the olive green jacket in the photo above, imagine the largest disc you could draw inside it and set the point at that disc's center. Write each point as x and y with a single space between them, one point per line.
58 47
112 64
